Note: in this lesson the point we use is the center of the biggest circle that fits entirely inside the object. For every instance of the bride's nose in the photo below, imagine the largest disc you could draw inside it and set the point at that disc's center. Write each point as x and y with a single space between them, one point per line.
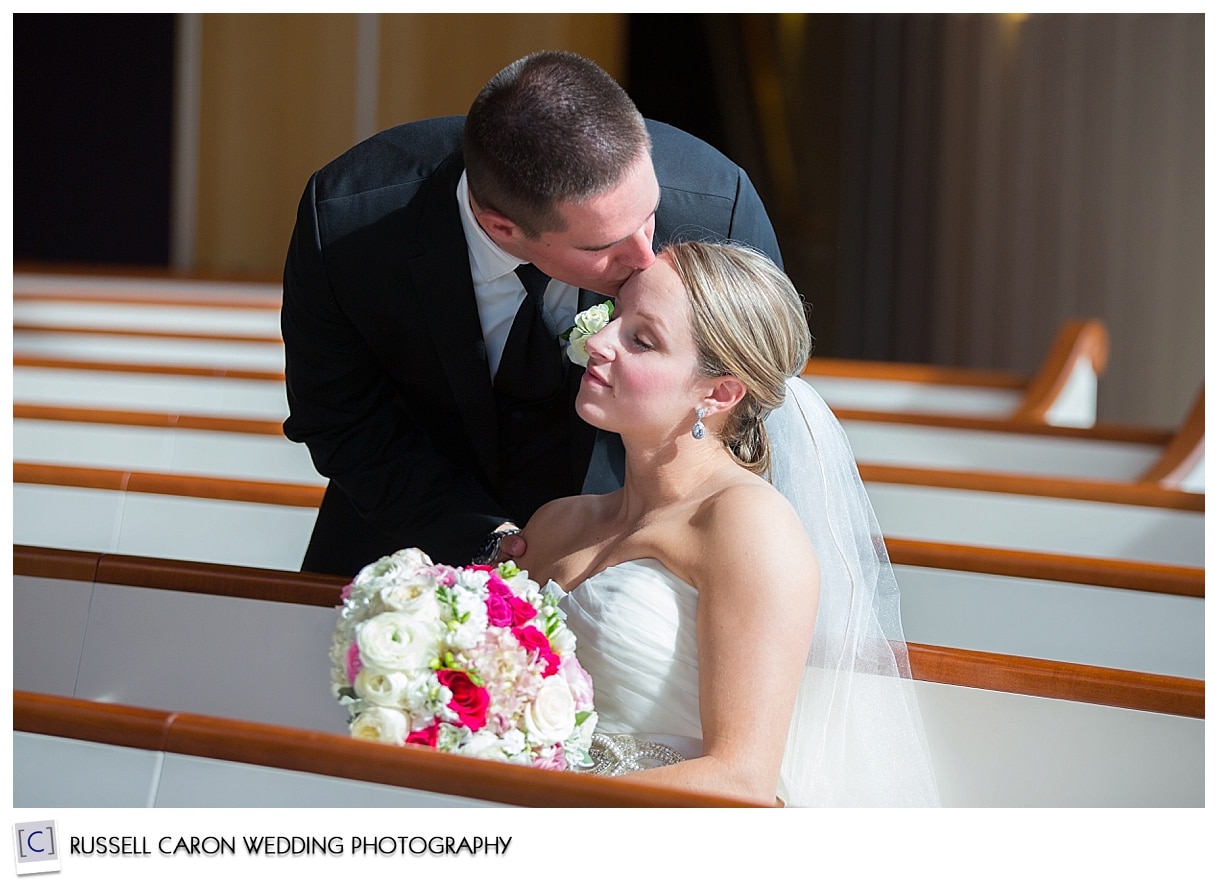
599 344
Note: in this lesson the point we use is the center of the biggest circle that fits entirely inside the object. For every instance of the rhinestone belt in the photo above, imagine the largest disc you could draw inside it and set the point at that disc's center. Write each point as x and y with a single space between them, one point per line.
619 754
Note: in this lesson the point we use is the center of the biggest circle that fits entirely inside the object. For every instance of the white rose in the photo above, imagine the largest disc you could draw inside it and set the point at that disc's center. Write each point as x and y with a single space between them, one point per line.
394 641
384 689
587 323
551 716
400 564
414 596
381 724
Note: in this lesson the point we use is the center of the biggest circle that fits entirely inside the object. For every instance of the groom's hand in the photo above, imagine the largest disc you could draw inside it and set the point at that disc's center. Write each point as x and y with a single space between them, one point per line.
512 546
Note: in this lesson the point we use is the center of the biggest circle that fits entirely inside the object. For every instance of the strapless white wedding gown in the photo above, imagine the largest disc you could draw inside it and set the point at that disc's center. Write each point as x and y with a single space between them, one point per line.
635 627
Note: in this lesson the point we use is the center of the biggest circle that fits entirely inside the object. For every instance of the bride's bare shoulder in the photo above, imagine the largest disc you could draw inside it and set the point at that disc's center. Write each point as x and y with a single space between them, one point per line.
560 527
752 519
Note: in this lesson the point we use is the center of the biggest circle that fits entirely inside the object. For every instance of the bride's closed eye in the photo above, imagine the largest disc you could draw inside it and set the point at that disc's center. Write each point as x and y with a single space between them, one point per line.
639 343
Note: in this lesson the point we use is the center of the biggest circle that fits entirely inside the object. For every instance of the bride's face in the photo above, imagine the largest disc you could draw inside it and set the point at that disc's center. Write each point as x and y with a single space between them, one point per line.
642 366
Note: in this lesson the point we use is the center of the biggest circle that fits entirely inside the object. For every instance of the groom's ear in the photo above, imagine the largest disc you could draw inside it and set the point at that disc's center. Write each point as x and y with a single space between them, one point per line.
503 231
726 393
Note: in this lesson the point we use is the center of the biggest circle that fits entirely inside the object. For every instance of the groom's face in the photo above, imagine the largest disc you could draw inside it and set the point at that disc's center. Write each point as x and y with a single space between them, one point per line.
606 239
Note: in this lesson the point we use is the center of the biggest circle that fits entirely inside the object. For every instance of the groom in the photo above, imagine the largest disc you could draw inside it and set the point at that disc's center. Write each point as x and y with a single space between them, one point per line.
410 297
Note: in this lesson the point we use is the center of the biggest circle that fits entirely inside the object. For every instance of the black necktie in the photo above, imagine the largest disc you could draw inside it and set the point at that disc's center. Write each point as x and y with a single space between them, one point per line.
531 367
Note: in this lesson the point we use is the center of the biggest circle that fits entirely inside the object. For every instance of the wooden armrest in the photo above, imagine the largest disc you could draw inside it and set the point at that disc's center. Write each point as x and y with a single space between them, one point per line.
1078 340
1184 450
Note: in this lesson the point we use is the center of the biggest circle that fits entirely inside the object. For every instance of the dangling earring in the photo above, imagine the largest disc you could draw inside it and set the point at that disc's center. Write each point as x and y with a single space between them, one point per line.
699 430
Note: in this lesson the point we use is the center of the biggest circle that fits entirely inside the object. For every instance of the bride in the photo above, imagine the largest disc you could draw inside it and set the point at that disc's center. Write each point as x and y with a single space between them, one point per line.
739 644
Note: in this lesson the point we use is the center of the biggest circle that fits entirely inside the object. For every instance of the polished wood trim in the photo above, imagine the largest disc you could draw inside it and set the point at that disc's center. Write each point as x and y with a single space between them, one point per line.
82 271
323 753
196 486
140 332
1185 450
225 580
1156 693
1118 492
1100 432
1130 575
55 563
236 425
1078 340
253 302
183 370
236 490
907 372
70 476
66 717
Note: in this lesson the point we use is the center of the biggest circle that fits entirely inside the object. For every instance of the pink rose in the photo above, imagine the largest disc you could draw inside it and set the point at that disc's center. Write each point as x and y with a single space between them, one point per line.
346 592
355 664
504 607
534 641
425 737
469 701
579 681
498 610
551 758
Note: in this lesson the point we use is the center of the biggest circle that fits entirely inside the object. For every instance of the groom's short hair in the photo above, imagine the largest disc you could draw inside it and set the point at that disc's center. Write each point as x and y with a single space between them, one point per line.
551 127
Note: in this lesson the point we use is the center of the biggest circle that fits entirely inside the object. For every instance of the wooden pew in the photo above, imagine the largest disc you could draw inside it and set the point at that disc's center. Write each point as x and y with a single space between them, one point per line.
991 719
185 444
1117 614
1091 518
251 523
127 390
1110 452
1061 392
1097 519
77 753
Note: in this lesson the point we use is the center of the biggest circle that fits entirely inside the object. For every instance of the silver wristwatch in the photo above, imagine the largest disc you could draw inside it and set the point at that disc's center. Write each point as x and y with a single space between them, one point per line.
489 549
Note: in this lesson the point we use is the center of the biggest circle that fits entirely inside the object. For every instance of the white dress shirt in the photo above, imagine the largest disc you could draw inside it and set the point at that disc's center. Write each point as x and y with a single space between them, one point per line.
498 290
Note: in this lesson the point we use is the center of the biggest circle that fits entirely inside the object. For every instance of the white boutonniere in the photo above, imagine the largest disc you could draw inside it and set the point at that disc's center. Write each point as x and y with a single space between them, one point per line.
586 324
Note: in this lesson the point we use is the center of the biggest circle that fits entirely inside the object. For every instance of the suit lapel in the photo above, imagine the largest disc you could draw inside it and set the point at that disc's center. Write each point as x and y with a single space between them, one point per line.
441 276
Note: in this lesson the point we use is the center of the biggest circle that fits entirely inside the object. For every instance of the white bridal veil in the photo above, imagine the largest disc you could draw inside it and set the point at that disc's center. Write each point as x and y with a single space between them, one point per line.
856 737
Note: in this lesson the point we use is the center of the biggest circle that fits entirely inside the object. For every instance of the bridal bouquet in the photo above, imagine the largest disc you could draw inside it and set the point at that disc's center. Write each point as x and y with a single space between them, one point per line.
473 660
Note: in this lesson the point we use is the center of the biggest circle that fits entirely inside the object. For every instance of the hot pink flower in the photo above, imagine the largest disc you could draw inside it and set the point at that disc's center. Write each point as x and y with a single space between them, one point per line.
534 641
505 608
426 737
469 701
355 664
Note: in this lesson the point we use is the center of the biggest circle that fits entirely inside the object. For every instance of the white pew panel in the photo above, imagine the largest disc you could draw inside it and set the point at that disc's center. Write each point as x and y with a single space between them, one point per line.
51 772
1063 621
152 318
211 396
936 447
66 517
49 620
218 354
54 772
210 530
192 781
1039 523
152 448
995 749
109 288
232 657
913 397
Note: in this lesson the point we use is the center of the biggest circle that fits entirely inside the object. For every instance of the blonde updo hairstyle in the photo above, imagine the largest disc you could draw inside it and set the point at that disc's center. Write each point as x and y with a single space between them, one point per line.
748 322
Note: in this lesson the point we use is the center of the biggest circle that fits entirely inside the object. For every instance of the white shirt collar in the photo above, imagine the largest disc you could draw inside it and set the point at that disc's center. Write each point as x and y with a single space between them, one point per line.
487 261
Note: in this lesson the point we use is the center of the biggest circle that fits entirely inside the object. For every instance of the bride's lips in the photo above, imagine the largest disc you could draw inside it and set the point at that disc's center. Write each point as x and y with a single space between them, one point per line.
593 379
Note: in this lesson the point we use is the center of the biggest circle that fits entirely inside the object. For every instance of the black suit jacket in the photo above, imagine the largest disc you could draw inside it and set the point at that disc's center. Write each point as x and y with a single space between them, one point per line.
387 376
